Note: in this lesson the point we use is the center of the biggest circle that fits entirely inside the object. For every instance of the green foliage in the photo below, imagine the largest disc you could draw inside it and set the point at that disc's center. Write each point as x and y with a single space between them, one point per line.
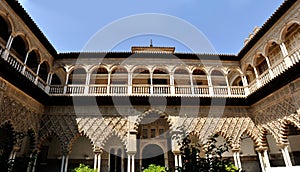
155 168
84 168
210 161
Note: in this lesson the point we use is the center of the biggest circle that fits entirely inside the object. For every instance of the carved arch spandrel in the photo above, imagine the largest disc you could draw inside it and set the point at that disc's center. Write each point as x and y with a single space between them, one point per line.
99 129
152 110
273 117
63 126
20 116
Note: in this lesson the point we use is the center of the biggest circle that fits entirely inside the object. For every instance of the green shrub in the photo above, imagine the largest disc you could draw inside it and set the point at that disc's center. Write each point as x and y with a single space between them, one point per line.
155 168
84 168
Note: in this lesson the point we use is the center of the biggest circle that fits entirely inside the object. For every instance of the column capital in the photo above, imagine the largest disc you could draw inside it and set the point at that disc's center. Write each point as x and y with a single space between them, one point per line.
282 145
261 148
98 150
131 153
236 147
132 132
176 152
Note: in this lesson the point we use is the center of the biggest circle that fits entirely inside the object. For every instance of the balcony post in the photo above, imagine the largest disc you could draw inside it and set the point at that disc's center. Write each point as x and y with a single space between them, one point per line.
37 74
172 86
151 83
228 85
7 48
285 53
130 83
49 78
108 82
257 77
192 83
245 84
210 86
270 69
66 83
87 83
26 59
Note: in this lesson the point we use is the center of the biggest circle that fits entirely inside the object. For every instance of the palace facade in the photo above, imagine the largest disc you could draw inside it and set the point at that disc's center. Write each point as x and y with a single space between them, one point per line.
121 111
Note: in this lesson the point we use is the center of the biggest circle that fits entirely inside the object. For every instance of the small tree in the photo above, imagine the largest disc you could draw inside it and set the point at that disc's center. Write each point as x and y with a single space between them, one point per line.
211 161
155 168
84 168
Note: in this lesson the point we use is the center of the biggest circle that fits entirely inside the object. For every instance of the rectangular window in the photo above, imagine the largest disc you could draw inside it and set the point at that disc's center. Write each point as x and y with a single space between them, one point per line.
161 132
145 133
152 133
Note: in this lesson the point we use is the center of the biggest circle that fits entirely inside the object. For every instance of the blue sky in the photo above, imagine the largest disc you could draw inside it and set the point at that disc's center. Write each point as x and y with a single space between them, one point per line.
70 25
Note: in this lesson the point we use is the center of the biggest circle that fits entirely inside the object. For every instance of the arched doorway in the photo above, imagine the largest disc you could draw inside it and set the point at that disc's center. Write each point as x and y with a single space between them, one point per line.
6 145
154 142
81 153
152 154
50 155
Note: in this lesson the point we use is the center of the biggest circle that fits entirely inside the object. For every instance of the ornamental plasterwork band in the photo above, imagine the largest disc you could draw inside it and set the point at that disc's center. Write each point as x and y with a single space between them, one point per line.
99 129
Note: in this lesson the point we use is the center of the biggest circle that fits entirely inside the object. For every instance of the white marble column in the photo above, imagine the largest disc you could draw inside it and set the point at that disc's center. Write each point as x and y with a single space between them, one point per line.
180 161
95 161
99 162
262 166
128 163
66 163
29 166
176 162
34 164
237 159
132 163
62 163
264 159
286 156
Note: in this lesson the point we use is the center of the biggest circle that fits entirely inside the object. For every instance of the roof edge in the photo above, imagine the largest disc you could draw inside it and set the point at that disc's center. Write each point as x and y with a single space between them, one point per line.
282 9
23 14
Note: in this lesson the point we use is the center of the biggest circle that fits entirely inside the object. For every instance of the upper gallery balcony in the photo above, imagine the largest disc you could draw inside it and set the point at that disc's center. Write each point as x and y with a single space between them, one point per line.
237 81
141 81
